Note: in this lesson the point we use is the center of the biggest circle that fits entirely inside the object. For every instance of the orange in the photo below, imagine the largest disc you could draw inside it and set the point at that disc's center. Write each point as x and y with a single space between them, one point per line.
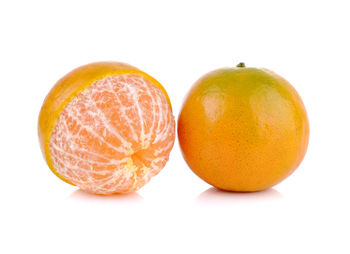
107 128
243 129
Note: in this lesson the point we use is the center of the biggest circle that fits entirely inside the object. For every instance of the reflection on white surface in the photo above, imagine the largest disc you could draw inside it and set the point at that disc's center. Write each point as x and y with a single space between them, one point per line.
128 197
214 195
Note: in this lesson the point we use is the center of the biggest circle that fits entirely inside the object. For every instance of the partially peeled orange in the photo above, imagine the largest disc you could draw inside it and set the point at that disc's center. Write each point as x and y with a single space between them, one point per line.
107 128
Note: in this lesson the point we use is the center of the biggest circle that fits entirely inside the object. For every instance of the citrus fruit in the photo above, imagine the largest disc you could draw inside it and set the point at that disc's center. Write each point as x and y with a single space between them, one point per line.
243 129
107 128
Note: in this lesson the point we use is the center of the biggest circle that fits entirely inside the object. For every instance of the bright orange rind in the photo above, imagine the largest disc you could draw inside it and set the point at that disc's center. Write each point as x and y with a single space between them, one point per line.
243 129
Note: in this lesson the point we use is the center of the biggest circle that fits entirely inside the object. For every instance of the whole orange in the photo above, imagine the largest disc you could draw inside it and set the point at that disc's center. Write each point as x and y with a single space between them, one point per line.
243 129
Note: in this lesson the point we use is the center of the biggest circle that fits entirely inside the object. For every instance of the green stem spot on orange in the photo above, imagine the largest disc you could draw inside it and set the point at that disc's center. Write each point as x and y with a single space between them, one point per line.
240 65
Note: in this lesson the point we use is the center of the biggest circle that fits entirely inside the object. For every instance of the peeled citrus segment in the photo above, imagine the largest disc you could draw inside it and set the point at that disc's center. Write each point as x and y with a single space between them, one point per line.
114 135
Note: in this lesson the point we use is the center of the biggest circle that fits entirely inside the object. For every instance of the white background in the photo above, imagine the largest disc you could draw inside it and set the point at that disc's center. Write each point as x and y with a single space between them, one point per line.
307 42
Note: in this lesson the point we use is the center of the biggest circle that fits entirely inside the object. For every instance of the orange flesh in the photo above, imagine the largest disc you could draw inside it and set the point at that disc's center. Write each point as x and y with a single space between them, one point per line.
114 136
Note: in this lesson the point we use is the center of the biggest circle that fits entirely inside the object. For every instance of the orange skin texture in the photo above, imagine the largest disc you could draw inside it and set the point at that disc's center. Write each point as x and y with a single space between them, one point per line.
70 86
243 129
